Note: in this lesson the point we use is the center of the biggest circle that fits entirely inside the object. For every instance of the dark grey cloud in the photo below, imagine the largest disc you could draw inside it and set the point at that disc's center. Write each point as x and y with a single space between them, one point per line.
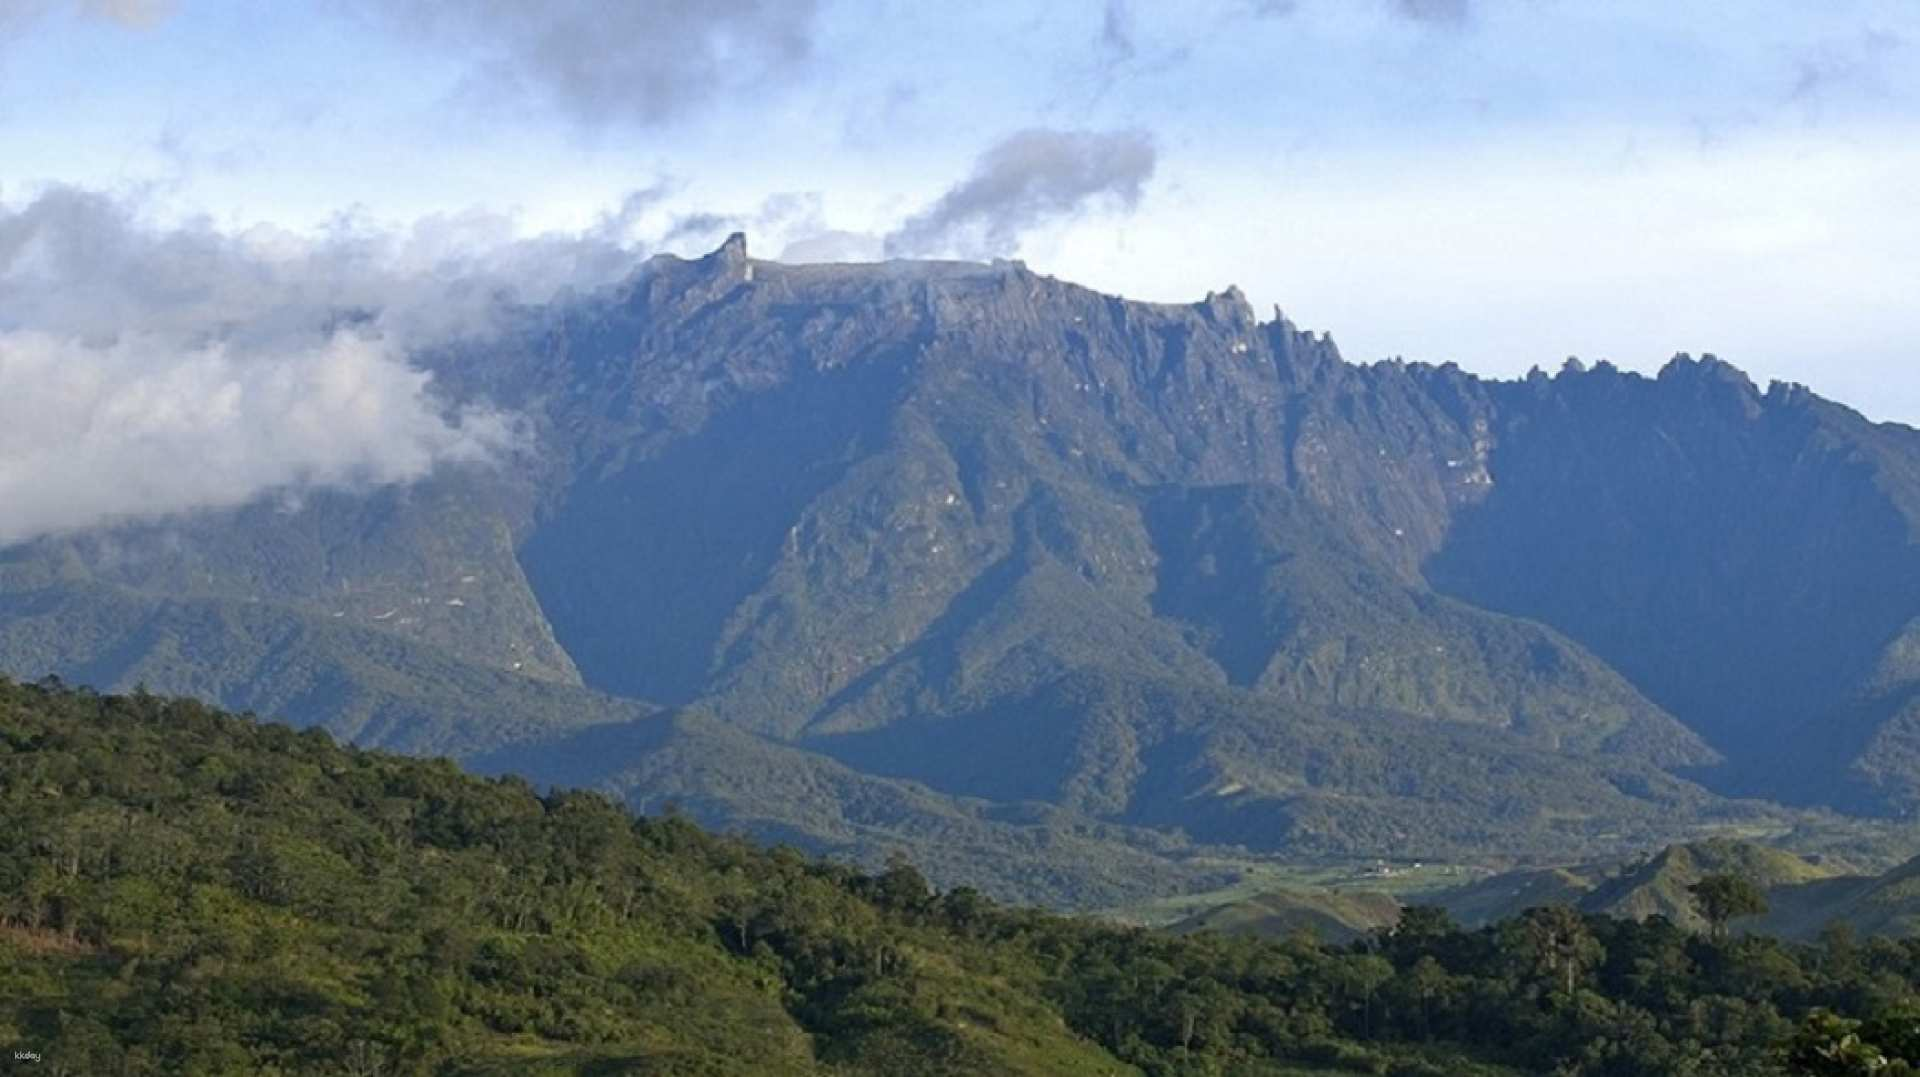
1025 180
605 64
149 369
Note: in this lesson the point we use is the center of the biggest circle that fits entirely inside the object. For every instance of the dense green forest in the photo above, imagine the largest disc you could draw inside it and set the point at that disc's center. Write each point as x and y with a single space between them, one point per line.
183 891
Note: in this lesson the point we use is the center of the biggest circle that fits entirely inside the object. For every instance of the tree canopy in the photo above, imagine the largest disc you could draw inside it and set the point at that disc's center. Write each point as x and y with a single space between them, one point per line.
1724 897
187 892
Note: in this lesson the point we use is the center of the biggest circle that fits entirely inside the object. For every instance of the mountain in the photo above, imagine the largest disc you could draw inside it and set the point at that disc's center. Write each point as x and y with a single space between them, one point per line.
926 552
1745 559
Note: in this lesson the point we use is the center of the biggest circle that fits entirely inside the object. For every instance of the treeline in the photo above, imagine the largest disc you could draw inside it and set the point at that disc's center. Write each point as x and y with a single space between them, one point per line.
186 892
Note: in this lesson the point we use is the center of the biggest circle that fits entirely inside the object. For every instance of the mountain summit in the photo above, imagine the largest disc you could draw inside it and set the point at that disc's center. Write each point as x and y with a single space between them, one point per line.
1010 556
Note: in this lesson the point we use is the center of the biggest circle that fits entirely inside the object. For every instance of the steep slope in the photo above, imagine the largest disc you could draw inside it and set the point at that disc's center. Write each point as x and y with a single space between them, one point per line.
374 686
1747 560
917 501
872 457
433 563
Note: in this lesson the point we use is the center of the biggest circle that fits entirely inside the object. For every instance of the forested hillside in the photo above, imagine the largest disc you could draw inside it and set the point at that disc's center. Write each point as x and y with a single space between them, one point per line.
188 892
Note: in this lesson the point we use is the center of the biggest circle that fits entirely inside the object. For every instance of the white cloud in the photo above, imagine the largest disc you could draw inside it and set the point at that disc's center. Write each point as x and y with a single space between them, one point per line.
84 263
835 245
142 427
149 369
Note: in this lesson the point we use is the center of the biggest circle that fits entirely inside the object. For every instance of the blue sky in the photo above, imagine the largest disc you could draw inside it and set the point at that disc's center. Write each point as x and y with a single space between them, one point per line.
1501 183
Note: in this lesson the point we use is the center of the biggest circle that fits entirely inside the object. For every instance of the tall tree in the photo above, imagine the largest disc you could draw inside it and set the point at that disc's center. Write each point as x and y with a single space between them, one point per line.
1724 897
1554 945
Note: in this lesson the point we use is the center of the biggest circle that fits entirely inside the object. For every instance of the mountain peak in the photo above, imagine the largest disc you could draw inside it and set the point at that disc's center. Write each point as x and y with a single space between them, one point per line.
1713 378
1230 307
731 252
1707 368
669 277
729 260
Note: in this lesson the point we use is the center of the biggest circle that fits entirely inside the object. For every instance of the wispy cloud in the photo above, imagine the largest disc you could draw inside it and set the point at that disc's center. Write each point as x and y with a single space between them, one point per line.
1273 8
1856 61
132 13
834 245
129 12
1028 179
613 64
1439 12
1116 32
779 220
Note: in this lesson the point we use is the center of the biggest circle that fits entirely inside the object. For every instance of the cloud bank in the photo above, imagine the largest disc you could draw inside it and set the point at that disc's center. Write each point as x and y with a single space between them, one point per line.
1028 179
149 370
143 427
